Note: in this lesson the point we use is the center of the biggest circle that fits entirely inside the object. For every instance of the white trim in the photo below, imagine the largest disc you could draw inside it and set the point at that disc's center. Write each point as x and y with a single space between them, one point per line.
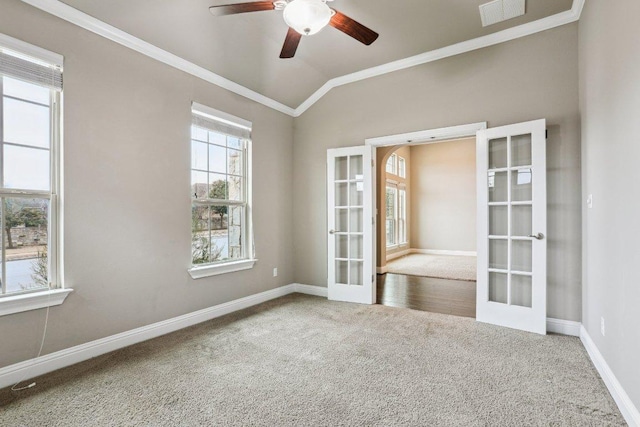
563 327
443 252
626 406
28 369
398 254
32 301
226 267
11 374
30 50
81 19
319 291
428 136
513 33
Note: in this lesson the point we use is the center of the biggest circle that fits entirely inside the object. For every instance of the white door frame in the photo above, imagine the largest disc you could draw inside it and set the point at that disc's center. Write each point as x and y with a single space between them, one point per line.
429 136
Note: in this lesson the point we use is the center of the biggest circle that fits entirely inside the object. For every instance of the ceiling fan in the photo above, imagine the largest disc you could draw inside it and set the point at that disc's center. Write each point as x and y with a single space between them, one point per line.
304 18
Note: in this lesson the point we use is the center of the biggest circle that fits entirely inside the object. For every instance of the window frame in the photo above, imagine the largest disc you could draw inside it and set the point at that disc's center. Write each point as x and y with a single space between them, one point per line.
197 271
393 161
391 186
399 212
402 171
56 293
402 215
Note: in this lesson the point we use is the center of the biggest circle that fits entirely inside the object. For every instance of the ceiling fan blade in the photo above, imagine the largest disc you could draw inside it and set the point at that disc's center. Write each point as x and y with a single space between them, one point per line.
290 44
232 9
352 28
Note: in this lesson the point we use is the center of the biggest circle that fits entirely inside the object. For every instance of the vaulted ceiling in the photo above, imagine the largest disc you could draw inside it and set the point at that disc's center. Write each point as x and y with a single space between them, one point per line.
245 48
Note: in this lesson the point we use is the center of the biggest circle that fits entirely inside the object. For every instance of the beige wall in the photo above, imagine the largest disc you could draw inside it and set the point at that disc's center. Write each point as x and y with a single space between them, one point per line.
127 218
443 196
529 78
609 106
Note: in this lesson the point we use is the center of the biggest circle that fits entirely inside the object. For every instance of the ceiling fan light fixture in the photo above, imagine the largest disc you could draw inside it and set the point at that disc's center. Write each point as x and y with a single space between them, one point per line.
307 17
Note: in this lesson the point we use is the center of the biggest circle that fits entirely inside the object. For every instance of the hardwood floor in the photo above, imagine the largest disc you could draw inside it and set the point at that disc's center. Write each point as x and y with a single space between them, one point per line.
457 297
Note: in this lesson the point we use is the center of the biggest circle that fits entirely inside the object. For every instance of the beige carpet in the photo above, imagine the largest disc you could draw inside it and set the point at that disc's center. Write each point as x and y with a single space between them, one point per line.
306 361
440 266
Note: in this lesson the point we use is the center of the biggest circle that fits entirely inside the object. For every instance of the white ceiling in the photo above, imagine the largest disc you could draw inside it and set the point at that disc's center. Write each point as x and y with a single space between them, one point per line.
245 48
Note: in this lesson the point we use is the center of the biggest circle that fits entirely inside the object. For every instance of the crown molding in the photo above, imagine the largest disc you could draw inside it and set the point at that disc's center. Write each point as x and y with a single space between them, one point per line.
81 19
513 33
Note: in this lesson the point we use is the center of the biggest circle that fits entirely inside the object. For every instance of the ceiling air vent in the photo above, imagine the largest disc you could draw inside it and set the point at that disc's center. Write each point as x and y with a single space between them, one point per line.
500 10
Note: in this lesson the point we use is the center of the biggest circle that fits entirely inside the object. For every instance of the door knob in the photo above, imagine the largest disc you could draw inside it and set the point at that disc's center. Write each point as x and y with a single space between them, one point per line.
538 236
332 231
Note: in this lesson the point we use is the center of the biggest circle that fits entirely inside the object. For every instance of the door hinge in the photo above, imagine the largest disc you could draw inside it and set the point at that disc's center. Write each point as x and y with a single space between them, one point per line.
373 278
373 163
373 220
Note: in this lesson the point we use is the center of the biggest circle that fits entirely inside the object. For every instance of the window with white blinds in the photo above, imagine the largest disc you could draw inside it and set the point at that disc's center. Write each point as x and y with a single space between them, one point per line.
220 188
30 89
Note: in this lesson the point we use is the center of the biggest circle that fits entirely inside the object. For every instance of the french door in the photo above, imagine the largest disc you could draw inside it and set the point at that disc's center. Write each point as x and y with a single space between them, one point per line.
512 222
350 225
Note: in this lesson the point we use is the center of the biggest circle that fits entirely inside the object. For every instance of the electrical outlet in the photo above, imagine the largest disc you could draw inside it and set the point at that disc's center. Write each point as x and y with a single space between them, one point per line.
275 271
590 201
602 326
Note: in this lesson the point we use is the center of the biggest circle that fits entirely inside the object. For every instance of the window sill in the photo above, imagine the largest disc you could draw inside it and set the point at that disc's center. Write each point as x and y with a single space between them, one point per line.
32 301
215 269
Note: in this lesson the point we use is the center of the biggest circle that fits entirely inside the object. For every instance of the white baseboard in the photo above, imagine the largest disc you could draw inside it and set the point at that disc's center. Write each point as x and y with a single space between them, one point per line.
442 252
28 369
398 254
381 270
626 406
319 291
563 327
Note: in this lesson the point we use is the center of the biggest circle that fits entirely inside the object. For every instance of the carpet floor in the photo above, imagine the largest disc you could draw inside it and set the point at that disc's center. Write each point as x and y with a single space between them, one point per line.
302 360
441 266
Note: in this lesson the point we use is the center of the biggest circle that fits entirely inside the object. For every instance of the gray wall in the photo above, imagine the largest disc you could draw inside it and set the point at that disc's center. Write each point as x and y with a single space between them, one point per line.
127 218
610 107
525 79
443 196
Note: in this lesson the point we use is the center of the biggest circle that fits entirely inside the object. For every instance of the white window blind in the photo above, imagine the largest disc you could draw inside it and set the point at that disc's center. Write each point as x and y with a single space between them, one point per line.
30 70
209 118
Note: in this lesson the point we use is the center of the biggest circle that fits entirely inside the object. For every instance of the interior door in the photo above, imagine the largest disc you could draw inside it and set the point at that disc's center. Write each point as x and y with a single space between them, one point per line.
350 225
512 221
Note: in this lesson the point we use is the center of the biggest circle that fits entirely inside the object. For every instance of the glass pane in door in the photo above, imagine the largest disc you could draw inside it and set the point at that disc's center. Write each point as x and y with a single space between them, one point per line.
498 186
522 220
521 190
498 250
521 293
342 166
498 153
498 287
498 224
521 255
342 272
521 150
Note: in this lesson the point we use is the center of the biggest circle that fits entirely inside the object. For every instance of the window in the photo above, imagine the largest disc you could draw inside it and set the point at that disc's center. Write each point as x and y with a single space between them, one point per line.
401 167
391 164
402 216
396 214
391 214
29 136
220 193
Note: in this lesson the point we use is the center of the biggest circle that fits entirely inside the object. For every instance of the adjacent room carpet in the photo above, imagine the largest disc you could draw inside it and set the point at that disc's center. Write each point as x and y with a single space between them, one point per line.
302 360
441 266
